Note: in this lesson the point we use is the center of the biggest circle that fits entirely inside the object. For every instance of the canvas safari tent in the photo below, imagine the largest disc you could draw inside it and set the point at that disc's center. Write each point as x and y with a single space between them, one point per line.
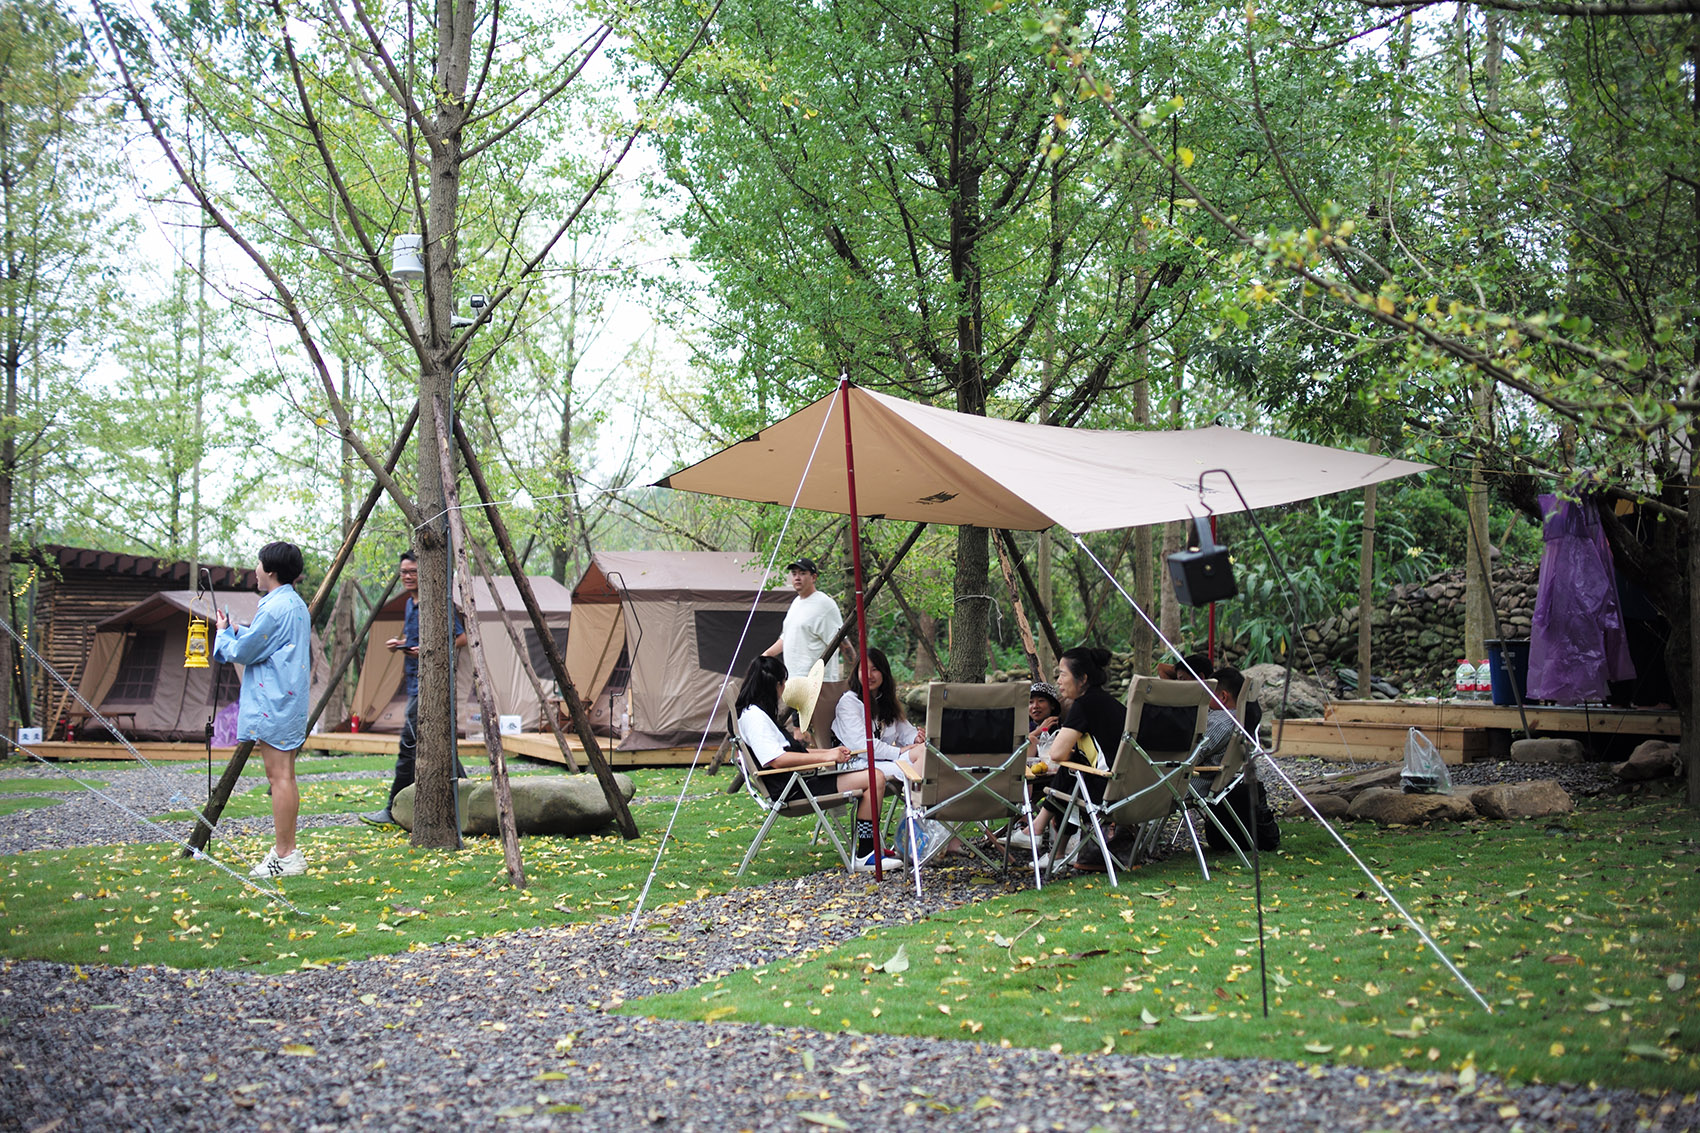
380 696
656 633
135 674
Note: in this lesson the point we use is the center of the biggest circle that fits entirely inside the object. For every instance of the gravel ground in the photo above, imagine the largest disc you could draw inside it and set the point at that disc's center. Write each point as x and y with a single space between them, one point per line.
502 1031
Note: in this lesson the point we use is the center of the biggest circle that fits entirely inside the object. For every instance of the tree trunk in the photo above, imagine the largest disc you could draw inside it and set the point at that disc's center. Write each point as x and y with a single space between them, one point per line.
1366 588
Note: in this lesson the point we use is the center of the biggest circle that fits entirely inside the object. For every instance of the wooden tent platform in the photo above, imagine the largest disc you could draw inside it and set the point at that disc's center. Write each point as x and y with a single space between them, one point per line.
532 744
1463 731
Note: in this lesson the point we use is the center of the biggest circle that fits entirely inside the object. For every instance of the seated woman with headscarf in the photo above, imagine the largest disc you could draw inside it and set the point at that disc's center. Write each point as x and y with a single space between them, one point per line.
758 727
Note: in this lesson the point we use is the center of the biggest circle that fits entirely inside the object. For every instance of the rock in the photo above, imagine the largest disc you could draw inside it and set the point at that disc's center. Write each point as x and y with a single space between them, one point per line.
1548 751
1307 698
1536 798
564 804
1653 759
1395 808
1328 806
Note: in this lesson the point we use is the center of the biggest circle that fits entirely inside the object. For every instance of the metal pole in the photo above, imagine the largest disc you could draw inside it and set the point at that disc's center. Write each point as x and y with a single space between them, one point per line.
861 621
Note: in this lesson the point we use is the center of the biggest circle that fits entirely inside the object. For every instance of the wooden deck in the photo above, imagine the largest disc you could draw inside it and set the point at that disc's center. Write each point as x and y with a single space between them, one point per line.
1375 730
531 744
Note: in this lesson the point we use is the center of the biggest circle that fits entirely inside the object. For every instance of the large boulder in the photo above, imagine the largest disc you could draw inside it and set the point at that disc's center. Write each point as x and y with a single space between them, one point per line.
543 804
1546 750
1535 798
1653 759
1349 785
1306 699
1395 808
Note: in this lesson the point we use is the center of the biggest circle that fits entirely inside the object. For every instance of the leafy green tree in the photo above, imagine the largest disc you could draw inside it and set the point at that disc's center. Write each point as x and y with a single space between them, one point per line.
55 212
879 190
1522 220
338 130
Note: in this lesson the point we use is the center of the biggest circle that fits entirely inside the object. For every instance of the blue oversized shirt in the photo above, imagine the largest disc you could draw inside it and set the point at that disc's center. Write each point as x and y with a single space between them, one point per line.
277 652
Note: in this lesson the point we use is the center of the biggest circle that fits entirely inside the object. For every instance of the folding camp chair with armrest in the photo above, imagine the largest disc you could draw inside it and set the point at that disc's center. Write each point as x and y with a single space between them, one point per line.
1209 786
1141 788
974 772
798 792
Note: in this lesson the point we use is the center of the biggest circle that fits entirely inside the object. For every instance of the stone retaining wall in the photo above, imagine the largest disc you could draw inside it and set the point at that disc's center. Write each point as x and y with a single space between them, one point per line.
1418 633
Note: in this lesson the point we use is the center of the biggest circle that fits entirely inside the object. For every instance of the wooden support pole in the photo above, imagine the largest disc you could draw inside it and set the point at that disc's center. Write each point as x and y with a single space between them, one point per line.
1039 611
1027 645
913 618
874 587
489 571
347 658
202 833
569 692
352 535
505 827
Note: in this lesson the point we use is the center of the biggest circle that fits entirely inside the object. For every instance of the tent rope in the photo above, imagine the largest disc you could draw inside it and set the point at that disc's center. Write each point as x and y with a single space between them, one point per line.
720 694
94 714
1256 750
198 855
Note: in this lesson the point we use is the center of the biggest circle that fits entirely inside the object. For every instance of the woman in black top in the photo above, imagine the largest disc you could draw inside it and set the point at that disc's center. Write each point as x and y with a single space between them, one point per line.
1090 732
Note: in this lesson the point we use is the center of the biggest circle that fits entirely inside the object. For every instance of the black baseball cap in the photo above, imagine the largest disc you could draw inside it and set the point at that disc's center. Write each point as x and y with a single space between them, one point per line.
804 564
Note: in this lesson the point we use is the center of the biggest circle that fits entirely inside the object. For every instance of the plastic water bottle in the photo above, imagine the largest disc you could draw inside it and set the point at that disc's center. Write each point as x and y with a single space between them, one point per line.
1484 680
1464 681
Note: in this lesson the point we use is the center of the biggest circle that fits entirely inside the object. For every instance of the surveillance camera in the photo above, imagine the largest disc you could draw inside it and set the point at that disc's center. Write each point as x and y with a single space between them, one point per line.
478 302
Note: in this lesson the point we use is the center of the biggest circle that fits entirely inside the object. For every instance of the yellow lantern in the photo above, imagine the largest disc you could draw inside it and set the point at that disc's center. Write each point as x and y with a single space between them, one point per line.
195 649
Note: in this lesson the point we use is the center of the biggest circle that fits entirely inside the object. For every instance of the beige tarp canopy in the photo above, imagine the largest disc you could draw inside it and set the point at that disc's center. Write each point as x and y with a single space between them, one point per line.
918 463
679 618
380 697
135 666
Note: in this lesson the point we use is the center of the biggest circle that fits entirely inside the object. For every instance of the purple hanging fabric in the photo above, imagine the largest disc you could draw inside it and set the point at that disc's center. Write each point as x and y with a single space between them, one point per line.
224 726
1577 642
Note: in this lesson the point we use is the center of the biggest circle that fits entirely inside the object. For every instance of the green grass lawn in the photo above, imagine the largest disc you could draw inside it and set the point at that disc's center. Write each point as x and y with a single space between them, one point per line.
38 786
25 802
1580 933
369 891
1581 937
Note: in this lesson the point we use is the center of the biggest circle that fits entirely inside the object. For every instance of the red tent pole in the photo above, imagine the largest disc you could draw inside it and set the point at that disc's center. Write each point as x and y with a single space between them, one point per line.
1210 638
861 620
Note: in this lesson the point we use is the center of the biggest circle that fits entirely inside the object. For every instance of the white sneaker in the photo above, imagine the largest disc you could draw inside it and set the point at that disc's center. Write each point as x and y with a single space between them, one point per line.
292 865
865 863
1021 839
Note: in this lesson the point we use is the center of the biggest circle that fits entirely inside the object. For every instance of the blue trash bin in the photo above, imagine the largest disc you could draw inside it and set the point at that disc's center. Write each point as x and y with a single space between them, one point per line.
1508 660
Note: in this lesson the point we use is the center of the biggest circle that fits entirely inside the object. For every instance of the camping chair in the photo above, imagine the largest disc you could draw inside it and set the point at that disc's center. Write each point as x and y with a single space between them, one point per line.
806 793
1208 788
974 772
1141 788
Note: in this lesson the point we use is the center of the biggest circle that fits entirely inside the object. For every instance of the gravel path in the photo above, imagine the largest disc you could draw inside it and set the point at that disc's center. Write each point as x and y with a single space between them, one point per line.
502 1032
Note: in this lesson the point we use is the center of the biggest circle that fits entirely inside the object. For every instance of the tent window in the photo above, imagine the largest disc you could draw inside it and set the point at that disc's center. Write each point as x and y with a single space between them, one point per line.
718 632
229 684
538 658
140 670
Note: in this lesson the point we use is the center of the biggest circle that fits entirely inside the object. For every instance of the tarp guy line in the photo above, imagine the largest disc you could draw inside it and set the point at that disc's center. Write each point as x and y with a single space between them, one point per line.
1256 751
720 696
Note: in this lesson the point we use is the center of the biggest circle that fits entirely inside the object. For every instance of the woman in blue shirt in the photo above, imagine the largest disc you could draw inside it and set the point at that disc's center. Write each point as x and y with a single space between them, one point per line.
276 653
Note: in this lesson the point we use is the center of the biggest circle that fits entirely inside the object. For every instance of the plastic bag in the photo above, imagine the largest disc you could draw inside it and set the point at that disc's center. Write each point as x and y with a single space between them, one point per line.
1425 773
922 840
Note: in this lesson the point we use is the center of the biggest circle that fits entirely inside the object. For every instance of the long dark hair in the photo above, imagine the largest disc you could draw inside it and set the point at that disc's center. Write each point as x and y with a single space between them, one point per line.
887 709
761 686
1087 664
